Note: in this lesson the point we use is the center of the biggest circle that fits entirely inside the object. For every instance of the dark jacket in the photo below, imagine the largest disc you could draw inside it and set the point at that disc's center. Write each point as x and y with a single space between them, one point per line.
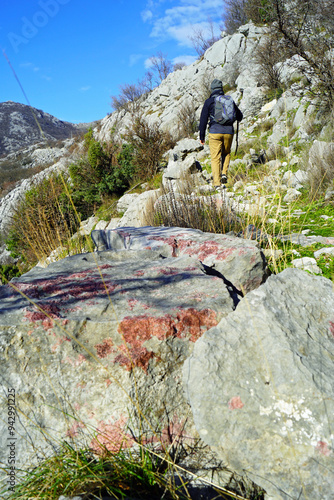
206 114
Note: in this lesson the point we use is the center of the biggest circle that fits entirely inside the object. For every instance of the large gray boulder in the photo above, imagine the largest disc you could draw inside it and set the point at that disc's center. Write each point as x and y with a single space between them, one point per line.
183 148
93 348
240 261
261 389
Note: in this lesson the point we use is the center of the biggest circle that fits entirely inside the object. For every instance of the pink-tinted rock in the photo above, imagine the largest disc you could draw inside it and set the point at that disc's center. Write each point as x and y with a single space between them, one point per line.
94 345
239 260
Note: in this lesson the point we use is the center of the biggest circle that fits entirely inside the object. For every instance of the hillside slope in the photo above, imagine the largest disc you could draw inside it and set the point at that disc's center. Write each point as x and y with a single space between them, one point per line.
18 127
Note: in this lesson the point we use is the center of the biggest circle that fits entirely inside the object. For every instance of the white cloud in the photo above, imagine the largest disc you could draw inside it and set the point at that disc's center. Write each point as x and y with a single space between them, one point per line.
134 58
177 22
184 59
181 34
146 15
84 89
29 65
148 63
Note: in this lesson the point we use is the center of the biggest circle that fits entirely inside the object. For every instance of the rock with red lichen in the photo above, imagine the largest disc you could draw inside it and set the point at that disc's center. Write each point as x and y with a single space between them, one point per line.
260 385
97 341
240 261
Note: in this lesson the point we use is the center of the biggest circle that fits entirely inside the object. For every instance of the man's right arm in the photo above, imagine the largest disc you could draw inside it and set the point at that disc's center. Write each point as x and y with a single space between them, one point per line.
203 121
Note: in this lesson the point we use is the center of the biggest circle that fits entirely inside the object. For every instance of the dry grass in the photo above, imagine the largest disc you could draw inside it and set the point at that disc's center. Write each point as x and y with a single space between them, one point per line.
181 205
43 221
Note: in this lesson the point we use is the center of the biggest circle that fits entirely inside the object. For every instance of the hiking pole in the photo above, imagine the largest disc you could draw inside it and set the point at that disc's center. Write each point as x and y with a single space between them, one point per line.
236 138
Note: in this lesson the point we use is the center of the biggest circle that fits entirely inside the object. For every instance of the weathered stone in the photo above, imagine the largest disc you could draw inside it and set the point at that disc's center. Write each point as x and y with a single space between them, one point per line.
183 148
291 195
93 347
240 261
324 251
114 222
180 169
135 214
260 385
295 179
125 201
274 164
86 226
5 257
307 264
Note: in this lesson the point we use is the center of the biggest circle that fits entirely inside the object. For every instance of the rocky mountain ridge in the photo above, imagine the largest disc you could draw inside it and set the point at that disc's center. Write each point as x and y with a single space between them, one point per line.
22 125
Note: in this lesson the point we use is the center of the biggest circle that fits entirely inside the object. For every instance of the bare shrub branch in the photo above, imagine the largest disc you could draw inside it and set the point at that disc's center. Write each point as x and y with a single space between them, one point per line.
161 66
201 41
187 119
128 97
149 143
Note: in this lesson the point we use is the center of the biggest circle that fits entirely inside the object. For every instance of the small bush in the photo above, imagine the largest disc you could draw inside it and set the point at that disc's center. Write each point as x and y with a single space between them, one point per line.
121 475
267 55
148 142
103 170
8 271
187 119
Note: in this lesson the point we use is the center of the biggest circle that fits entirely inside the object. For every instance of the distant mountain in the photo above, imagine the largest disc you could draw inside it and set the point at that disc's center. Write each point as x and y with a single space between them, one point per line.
19 128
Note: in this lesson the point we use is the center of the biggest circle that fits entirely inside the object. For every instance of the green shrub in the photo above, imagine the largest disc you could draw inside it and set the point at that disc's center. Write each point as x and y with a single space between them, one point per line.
103 171
8 271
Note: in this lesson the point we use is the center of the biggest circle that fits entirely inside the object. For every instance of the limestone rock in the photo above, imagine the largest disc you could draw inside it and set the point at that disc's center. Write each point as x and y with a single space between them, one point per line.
240 261
324 251
93 347
125 201
291 195
180 169
295 179
135 213
10 201
183 148
307 264
260 385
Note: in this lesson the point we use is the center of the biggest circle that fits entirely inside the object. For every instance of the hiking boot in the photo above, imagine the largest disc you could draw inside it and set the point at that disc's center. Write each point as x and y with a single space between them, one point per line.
224 179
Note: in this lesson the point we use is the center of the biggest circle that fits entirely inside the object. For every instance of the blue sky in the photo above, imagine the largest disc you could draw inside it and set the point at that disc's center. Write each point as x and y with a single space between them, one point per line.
71 56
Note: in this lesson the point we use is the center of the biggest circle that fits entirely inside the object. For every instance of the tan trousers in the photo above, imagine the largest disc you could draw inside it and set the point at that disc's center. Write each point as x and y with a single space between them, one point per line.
220 145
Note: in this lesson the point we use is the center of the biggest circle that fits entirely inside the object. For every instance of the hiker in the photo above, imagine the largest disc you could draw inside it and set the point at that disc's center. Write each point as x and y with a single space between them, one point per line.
220 132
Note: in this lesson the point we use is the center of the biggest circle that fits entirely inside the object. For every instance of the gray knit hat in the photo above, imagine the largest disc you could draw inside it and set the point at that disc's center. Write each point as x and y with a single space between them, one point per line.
216 85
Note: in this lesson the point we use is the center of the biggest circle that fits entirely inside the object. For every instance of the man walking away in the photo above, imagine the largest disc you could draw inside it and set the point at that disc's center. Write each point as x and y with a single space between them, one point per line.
221 113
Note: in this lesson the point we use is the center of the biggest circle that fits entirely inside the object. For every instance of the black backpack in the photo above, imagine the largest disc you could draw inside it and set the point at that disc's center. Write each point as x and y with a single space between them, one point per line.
224 110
